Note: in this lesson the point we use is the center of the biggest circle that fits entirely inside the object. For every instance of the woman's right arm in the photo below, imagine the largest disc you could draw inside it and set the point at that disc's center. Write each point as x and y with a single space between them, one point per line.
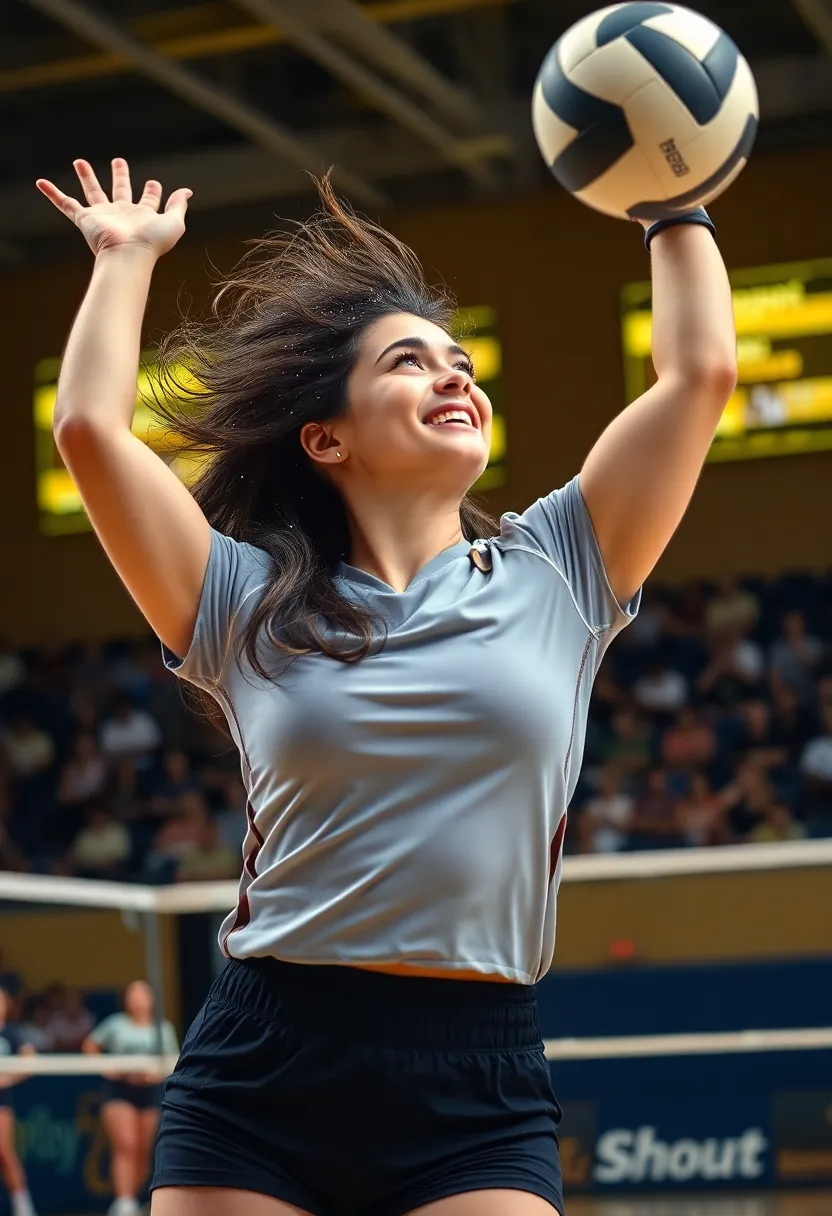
152 530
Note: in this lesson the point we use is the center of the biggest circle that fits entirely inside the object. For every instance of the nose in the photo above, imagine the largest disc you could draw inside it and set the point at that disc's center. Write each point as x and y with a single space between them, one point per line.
454 380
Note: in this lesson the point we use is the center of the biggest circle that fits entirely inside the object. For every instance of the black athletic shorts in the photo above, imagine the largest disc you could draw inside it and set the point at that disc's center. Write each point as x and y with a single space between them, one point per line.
143 1097
353 1093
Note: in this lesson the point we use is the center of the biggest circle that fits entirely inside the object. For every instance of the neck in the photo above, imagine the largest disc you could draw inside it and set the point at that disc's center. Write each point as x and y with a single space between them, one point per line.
392 536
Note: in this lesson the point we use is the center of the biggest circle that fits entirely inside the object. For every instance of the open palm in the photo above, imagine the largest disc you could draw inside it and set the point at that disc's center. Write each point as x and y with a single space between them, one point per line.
118 222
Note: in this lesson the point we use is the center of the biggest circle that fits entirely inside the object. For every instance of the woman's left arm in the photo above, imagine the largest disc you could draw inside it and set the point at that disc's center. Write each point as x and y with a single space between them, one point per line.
639 477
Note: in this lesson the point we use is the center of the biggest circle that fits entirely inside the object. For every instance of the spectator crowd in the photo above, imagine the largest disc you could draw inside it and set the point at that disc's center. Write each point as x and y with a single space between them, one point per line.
710 723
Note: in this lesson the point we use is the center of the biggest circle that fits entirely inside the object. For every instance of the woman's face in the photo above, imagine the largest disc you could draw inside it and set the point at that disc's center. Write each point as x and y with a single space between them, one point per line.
407 375
138 999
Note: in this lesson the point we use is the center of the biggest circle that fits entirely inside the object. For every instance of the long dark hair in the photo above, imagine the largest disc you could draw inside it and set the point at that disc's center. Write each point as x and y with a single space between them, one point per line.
274 354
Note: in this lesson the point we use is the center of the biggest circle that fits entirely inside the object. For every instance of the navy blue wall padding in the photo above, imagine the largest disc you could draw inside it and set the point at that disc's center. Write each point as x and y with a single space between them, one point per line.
625 18
721 64
686 999
682 72
662 209
603 133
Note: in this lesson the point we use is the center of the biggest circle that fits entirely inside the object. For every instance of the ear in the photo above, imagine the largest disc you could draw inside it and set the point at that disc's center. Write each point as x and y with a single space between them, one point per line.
321 445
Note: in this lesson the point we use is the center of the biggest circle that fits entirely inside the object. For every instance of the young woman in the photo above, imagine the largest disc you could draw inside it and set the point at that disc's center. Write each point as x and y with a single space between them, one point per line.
408 693
11 1169
130 1111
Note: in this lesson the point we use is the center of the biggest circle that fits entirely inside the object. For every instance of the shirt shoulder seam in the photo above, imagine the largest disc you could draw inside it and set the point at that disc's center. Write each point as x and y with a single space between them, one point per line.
595 630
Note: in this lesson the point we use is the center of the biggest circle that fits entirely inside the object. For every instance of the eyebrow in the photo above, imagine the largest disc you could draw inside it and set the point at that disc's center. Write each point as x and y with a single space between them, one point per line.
421 344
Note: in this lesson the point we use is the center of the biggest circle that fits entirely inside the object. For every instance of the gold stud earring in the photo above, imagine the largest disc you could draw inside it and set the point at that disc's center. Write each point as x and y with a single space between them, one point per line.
338 454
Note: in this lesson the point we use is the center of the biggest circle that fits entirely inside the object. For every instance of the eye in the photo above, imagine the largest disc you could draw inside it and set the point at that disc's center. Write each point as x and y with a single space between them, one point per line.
467 366
405 356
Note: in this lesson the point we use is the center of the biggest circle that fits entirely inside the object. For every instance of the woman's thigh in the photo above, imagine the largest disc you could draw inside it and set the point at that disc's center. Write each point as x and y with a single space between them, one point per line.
217 1201
7 1150
488 1203
121 1123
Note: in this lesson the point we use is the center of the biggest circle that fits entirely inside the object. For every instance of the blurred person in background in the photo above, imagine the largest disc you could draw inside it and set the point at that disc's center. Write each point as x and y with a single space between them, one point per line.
690 743
211 859
102 847
749 800
12 668
732 610
661 690
795 657
28 748
130 1110
181 834
34 1022
776 826
700 813
129 731
735 668
12 1042
760 739
604 820
84 775
70 1022
816 767
654 823
628 744
173 781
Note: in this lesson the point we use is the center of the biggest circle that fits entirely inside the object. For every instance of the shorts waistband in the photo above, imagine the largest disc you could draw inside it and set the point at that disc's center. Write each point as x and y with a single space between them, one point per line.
379 1008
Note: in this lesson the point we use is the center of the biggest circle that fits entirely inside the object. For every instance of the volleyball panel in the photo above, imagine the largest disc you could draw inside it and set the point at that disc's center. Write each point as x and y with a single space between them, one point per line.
613 72
691 30
631 177
662 126
580 39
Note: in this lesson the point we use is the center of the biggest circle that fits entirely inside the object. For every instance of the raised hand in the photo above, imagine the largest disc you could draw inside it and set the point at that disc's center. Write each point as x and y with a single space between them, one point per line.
119 222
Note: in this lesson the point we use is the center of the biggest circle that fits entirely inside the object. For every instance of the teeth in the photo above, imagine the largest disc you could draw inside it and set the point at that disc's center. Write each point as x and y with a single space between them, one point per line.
450 416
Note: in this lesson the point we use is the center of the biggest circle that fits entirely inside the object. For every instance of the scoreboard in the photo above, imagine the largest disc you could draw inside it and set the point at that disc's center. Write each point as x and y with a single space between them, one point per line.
782 405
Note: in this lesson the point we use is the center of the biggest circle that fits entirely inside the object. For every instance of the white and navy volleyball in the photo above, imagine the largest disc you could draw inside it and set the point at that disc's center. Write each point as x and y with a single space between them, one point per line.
642 110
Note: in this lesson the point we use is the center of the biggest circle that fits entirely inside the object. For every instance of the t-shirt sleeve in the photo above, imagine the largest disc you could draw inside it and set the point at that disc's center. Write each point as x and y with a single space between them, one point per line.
558 527
105 1032
234 575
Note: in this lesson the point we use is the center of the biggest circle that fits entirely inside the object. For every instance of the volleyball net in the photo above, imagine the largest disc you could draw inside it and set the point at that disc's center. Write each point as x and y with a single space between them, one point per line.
146 905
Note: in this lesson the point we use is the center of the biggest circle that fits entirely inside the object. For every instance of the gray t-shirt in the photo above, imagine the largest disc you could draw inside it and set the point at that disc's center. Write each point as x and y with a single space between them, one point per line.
119 1035
410 808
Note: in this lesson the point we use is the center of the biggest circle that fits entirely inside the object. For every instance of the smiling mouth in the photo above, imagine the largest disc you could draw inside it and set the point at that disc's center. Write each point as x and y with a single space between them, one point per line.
451 417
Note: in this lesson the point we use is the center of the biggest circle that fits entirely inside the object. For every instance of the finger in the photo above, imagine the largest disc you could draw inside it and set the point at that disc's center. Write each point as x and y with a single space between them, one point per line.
151 195
89 182
122 190
70 206
178 201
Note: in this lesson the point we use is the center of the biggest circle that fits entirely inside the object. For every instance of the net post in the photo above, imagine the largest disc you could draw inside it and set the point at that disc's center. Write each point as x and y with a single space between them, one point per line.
155 974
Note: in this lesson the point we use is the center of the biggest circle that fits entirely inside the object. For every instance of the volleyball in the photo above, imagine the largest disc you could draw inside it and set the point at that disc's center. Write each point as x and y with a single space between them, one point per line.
644 110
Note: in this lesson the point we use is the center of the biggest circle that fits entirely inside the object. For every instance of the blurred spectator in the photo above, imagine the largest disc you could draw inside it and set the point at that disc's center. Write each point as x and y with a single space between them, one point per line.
699 814
690 743
10 981
28 749
816 766
210 858
69 1020
732 610
181 834
777 825
654 823
686 614
793 722
175 780
661 690
749 800
605 819
102 848
129 731
760 740
34 1024
84 775
735 668
795 657
628 743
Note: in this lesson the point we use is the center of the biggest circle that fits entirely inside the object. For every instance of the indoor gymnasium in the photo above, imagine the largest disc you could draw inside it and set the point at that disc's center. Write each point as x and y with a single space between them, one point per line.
416 612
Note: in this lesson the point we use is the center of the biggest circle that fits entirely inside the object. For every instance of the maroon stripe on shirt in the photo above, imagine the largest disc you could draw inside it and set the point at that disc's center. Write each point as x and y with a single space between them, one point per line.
243 913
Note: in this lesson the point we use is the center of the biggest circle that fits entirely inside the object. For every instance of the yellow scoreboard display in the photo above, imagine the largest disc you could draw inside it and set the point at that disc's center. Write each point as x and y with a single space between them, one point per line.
783 402
59 503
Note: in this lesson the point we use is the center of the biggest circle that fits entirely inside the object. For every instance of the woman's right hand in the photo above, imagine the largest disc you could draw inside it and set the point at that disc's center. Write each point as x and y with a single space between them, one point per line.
120 223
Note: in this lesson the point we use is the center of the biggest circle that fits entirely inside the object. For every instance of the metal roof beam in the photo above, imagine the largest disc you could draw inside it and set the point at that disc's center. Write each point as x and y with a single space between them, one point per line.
212 98
286 15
